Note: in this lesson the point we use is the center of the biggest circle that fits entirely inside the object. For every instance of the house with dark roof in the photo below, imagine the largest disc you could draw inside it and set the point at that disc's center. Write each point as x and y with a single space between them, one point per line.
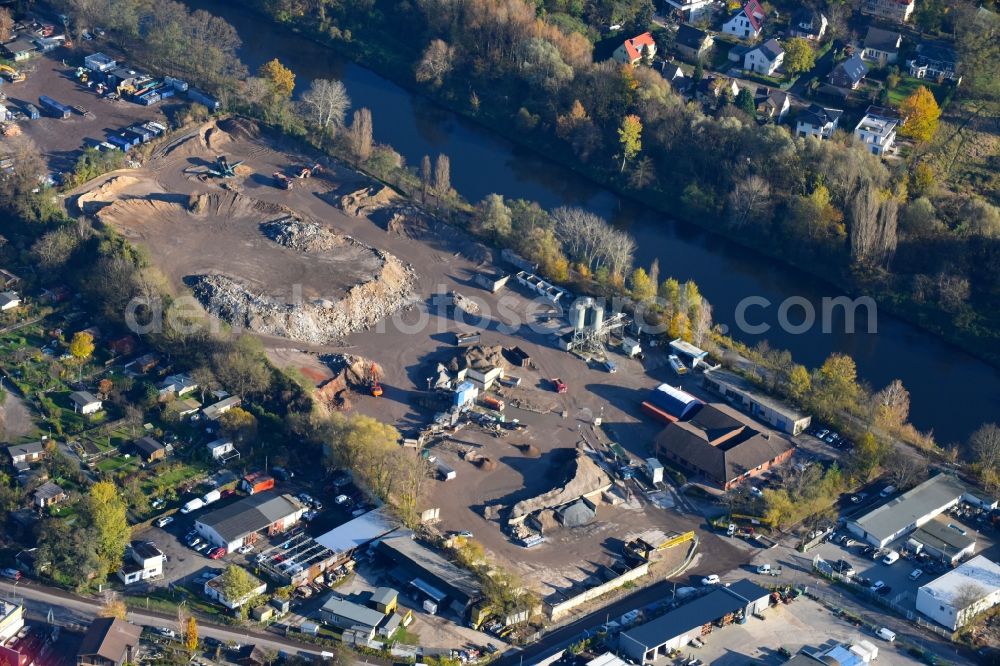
22 454
143 561
692 43
19 49
765 58
772 104
242 521
807 23
936 62
109 642
344 614
897 11
673 75
817 121
849 74
635 49
150 449
881 46
747 22
722 445
85 402
48 494
675 629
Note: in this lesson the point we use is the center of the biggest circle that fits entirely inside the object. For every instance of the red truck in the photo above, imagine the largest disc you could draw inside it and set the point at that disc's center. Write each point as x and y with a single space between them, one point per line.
257 482
558 385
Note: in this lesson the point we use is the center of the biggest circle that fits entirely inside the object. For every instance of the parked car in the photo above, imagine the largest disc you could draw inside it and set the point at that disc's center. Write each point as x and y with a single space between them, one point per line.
845 567
164 521
193 542
877 586
890 558
916 573
166 631
886 634
888 490
712 579
12 574
202 547
216 553
884 591
465 533
243 550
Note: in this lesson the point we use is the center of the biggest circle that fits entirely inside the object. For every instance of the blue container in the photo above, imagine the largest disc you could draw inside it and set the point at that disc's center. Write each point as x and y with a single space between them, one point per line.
31 111
166 92
119 142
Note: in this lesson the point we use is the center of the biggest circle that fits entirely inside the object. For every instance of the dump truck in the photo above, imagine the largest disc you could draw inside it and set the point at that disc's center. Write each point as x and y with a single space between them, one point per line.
557 385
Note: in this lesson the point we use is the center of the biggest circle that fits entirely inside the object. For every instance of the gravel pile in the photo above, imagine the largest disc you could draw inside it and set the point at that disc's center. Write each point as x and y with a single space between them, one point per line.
303 236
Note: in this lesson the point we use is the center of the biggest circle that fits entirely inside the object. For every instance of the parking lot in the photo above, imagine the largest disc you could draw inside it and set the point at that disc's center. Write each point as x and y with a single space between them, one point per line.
802 624
60 141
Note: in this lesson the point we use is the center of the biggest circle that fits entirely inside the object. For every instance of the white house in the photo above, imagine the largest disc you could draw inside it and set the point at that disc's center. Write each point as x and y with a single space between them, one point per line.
877 130
635 49
85 402
934 62
690 11
882 46
213 590
143 561
178 385
213 412
222 449
747 22
248 519
764 58
817 121
9 300
959 595
890 10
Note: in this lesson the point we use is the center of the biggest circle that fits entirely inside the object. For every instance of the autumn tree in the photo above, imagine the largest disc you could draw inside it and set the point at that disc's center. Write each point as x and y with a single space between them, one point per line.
361 134
239 424
630 138
6 24
325 105
984 446
106 513
236 585
493 217
442 176
921 112
113 606
81 347
834 386
426 177
280 79
891 405
799 383
799 56
435 63
191 634
642 288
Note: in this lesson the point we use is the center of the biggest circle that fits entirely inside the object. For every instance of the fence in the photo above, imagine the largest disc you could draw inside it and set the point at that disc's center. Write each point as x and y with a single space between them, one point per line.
558 610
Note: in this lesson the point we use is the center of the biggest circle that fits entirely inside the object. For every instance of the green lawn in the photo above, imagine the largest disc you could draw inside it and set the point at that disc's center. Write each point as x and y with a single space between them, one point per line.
908 85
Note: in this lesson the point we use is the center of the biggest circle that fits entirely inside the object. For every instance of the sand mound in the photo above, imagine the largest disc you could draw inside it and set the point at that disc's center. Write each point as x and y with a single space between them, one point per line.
367 200
99 197
585 479
231 203
529 450
479 357
239 128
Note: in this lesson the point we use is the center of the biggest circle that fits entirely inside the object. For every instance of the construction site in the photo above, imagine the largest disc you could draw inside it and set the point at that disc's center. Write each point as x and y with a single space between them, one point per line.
387 311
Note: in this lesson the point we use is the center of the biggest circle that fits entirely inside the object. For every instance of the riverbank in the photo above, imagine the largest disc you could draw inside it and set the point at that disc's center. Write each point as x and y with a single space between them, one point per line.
977 338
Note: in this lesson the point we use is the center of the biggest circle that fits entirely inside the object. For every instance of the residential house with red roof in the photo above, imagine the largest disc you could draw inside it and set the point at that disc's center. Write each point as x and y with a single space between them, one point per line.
747 22
633 50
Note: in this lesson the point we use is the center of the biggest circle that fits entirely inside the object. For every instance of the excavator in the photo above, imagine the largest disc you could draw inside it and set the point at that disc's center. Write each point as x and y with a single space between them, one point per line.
373 381
309 172
282 181
11 74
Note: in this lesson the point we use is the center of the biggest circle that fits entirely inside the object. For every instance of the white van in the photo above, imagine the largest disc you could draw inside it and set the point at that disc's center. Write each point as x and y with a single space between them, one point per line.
886 634
890 558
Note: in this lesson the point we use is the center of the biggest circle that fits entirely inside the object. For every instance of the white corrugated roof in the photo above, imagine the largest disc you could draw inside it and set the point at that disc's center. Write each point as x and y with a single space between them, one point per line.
354 533
979 571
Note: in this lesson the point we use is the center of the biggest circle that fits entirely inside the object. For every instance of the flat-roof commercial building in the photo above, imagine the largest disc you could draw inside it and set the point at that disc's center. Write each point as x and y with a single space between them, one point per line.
675 629
909 511
345 614
744 395
945 539
429 574
359 532
956 597
242 521
723 445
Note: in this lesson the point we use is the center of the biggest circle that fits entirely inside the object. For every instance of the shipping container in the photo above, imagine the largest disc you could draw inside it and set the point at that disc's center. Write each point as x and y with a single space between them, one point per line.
490 402
148 99
256 482
108 147
134 138
98 62
206 100
143 132
119 142
165 93
157 126
31 111
176 84
55 108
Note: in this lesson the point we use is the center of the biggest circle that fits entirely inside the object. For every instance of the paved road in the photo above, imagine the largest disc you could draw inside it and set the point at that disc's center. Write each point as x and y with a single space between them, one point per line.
67 608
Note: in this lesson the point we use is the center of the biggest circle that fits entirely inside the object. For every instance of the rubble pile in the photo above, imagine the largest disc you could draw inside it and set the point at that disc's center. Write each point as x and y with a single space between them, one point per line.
303 236
585 479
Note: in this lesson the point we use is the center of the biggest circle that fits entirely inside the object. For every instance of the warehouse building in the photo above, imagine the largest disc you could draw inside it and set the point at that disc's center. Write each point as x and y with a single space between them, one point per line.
959 595
723 605
344 540
944 539
722 445
745 396
911 510
244 521
429 575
